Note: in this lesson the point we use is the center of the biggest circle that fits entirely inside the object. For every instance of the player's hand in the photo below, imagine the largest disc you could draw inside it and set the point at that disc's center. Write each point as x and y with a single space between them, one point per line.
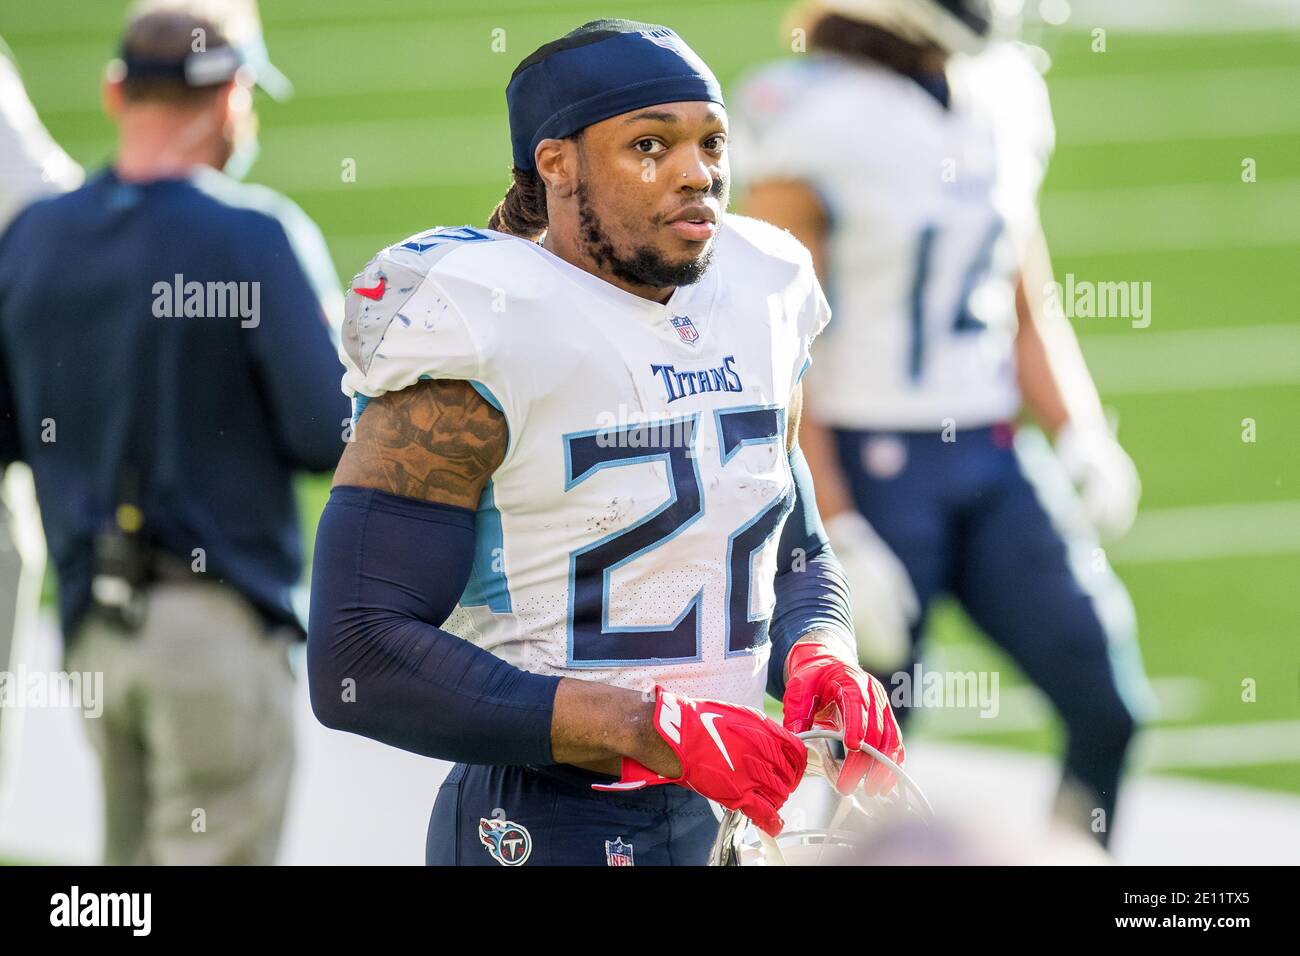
1106 478
884 603
827 692
732 754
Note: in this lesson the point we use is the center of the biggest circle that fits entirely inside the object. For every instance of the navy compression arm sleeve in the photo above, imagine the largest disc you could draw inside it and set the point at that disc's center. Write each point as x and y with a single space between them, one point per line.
387 572
811 590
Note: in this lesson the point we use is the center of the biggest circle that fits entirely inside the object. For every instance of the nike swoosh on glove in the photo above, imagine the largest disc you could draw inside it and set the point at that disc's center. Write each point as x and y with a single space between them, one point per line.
732 754
826 692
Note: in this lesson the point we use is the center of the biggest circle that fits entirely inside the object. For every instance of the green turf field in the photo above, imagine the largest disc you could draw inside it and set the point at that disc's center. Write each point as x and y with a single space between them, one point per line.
1146 186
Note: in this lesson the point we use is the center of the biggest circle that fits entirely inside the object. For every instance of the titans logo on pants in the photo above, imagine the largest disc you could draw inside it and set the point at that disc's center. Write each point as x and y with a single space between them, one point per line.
507 842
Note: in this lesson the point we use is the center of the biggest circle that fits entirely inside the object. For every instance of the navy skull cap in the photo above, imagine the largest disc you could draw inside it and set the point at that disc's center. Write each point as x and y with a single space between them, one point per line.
601 69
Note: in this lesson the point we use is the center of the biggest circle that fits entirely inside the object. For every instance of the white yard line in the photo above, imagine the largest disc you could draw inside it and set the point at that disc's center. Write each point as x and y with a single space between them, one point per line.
1130 108
1162 747
1203 532
1149 362
1187 217
1179 216
1183 16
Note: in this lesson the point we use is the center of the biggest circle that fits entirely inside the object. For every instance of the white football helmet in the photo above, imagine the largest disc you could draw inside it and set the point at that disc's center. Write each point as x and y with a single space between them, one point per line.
852 821
957 26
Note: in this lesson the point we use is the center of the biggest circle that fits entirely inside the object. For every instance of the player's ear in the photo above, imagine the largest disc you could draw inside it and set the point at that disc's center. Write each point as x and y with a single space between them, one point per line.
557 165
113 100
234 102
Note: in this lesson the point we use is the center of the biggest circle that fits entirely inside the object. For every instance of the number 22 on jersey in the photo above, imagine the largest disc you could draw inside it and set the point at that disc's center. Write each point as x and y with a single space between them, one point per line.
592 640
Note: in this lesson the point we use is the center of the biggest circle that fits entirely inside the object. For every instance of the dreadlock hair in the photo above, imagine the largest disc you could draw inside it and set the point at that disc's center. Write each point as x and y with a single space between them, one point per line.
844 35
523 210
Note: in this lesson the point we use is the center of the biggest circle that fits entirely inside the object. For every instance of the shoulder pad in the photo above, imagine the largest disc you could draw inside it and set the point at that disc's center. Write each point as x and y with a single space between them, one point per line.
380 291
764 239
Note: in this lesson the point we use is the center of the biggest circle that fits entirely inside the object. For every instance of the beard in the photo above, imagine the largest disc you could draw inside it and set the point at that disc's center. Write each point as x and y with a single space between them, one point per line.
646 265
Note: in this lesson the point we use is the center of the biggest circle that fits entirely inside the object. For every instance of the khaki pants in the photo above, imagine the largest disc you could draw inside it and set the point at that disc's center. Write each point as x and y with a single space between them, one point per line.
196 737
11 569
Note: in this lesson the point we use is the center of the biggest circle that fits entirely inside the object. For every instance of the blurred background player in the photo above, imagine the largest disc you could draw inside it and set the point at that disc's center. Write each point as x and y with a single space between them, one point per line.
32 165
167 367
906 151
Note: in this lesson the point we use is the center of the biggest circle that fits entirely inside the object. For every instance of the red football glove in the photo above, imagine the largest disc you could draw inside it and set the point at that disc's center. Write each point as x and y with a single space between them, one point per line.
732 754
827 692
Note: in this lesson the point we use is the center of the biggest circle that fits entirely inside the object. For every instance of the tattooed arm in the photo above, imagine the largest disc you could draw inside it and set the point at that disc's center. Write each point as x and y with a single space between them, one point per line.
435 441
393 554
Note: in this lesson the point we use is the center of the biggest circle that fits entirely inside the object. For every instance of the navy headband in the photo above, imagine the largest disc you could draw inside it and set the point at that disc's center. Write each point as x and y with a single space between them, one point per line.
601 69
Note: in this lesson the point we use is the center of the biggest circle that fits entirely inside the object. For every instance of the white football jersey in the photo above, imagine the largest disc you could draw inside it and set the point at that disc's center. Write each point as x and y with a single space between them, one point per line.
630 534
930 210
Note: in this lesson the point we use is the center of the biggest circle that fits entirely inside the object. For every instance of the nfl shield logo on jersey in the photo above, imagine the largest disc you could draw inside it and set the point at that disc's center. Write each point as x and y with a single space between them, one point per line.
508 843
685 329
618 853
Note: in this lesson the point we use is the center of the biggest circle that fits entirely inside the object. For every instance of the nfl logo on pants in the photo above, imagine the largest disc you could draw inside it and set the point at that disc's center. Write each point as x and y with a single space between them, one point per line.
618 853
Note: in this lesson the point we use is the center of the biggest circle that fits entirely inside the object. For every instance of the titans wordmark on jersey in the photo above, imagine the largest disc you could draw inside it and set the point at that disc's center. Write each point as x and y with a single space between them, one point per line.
630 534
931 211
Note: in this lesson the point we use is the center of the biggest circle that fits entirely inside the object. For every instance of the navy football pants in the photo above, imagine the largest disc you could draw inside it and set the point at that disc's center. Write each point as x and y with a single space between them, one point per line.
996 524
511 816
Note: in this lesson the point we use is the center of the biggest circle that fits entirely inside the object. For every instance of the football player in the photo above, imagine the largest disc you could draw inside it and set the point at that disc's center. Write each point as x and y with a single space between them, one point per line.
573 539
906 153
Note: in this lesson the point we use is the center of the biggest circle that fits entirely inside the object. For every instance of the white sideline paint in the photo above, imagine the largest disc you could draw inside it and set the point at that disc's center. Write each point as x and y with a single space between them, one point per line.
358 802
1220 745
1162 820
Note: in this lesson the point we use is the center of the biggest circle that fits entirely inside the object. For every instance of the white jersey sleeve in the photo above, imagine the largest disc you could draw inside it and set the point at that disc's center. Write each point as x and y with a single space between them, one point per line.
805 299
449 303
816 313
399 326
32 164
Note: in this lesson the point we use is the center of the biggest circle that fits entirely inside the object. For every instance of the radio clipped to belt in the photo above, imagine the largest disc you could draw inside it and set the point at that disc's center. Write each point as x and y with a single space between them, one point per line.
123 552
123 564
